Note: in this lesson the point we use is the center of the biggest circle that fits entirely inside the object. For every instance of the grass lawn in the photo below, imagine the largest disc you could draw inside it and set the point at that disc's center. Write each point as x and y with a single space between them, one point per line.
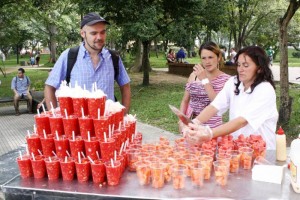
12 60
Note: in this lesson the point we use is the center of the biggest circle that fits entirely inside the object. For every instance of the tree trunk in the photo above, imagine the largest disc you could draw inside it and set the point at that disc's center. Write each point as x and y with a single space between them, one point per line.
18 53
146 63
53 45
137 67
285 99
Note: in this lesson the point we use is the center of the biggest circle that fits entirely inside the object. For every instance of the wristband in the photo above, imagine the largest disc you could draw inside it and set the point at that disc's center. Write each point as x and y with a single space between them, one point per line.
205 81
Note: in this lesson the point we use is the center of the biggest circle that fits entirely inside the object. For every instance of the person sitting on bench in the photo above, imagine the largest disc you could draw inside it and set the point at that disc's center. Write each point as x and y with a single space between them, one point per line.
20 84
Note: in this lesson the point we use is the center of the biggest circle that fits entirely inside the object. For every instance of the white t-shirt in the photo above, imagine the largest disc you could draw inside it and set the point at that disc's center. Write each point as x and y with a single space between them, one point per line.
233 54
258 108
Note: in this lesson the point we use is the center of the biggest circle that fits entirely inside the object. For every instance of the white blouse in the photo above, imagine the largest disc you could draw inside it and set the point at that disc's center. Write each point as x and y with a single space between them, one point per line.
258 108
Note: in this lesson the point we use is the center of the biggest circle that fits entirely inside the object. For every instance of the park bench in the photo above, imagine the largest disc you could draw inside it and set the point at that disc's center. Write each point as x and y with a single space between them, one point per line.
37 97
185 69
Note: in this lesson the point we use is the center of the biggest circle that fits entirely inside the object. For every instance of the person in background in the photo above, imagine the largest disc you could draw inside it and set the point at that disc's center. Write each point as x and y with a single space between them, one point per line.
20 85
171 56
251 99
93 65
180 56
204 83
37 59
270 53
232 57
32 60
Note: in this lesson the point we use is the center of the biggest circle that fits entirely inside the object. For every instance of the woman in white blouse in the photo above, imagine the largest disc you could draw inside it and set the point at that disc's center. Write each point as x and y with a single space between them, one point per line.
251 100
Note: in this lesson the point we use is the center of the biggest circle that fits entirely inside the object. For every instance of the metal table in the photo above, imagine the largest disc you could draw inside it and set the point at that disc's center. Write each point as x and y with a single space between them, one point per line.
240 186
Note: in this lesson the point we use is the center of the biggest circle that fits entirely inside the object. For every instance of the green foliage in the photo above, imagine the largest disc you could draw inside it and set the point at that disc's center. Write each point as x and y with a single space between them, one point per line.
296 54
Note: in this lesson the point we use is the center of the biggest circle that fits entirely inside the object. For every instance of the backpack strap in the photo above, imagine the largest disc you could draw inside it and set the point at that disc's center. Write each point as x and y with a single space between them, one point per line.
115 59
72 57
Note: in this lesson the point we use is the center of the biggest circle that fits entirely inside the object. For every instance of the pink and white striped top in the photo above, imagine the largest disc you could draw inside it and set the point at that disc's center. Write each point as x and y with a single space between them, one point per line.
199 99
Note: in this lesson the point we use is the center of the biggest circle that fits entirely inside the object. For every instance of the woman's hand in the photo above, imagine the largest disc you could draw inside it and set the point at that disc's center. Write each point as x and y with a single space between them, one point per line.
197 133
199 71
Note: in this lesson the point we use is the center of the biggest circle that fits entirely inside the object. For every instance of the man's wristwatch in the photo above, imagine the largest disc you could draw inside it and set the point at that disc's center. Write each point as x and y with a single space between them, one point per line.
205 81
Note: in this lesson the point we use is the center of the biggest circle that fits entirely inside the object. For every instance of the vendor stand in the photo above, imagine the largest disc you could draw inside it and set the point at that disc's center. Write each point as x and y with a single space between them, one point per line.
240 186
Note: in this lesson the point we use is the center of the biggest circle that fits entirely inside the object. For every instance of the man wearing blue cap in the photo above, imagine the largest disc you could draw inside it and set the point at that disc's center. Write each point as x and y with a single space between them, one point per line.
94 64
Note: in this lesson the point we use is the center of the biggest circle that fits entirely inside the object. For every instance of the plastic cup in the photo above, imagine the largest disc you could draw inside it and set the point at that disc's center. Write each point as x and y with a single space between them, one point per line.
224 156
107 149
119 116
117 136
122 161
101 126
259 150
168 170
91 147
78 104
234 161
148 148
246 157
67 169
42 123
178 176
48 145
187 160
113 173
76 146
86 125
206 162
38 166
123 132
53 168
83 170
143 172
132 129
197 175
66 103
221 169
98 171
34 144
132 158
157 174
25 166
61 146
71 124
56 125
94 104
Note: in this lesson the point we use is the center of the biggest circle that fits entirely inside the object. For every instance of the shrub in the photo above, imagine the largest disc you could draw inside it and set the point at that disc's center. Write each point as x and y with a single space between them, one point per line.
296 54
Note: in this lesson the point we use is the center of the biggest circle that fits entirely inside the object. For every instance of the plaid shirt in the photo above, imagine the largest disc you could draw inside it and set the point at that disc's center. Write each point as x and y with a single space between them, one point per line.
85 74
20 85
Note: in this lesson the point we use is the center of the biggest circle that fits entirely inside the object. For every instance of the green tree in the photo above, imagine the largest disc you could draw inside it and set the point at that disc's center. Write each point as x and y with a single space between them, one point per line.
285 99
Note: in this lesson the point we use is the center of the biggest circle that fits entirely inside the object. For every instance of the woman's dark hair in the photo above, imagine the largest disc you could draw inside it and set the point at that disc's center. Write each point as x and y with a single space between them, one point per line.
260 58
170 50
211 46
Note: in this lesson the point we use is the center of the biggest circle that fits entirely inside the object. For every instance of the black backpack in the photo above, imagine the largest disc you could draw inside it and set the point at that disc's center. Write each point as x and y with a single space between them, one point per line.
72 57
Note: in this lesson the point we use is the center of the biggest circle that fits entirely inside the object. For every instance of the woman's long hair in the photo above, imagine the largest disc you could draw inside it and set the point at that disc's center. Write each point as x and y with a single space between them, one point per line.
211 46
260 58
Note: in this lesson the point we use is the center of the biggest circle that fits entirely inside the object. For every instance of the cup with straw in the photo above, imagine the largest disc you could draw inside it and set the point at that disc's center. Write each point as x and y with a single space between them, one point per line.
113 172
24 165
82 169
